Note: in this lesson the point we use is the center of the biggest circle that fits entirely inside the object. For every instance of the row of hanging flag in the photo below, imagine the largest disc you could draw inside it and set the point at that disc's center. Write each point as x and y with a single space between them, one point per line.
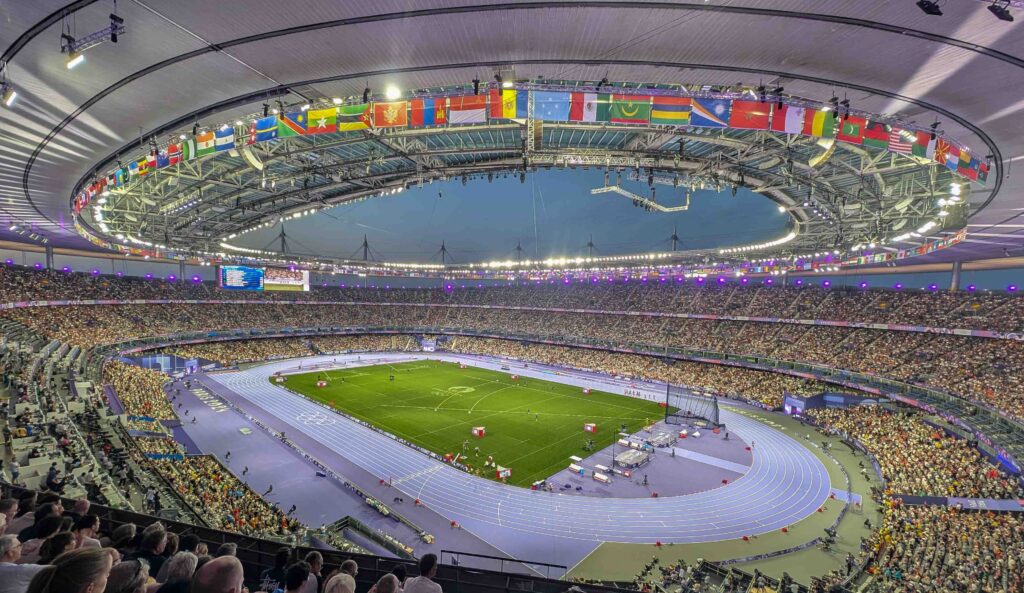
557 106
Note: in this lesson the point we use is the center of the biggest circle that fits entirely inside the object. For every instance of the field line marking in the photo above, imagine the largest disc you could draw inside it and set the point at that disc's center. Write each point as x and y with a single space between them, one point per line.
489 395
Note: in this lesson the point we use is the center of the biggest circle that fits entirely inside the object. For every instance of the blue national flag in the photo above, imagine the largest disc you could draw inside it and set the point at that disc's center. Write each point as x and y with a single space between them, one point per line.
710 113
266 128
224 139
551 106
162 160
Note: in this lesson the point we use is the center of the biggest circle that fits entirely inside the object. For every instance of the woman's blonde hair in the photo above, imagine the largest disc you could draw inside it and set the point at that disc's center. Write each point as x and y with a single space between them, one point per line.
72 572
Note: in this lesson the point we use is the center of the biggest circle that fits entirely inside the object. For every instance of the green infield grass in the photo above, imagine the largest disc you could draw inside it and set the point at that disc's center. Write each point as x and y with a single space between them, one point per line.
532 426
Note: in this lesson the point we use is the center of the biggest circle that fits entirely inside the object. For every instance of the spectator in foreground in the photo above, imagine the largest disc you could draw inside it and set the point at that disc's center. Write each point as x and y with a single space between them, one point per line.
78 571
296 576
316 564
220 575
345 580
387 584
85 531
177 573
14 577
424 583
129 576
227 549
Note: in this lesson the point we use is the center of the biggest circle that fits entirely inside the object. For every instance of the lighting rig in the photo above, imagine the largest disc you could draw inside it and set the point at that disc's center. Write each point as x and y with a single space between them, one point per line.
75 49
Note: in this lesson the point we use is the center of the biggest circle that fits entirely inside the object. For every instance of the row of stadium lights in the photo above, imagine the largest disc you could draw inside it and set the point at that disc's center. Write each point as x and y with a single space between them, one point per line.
700 280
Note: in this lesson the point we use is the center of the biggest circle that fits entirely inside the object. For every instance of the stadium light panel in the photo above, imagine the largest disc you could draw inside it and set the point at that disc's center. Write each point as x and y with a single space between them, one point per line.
74 59
7 94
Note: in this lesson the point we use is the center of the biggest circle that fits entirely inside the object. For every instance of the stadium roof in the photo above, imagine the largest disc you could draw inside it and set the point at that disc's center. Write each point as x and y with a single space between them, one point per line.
214 62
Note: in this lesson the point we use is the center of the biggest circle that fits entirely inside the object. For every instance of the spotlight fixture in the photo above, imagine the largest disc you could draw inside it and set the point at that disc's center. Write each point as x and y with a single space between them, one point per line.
935 130
778 96
476 86
604 82
74 59
7 94
366 95
846 107
929 7
498 79
833 104
195 129
762 94
116 26
1001 10
266 109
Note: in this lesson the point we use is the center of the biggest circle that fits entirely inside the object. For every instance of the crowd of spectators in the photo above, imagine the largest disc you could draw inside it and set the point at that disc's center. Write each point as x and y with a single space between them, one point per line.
972 310
762 387
933 549
227 502
366 343
974 367
47 548
239 351
917 458
140 390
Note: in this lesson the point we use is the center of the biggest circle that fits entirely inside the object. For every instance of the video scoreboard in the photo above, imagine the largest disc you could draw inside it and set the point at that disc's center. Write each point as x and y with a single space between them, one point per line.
265 279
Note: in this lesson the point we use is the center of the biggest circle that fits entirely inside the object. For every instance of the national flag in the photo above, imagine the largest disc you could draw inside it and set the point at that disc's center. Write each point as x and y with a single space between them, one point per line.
291 124
162 160
266 128
467 109
983 173
630 109
144 165
749 115
819 123
710 113
509 103
946 154
322 121
353 117
133 169
391 115
119 176
225 139
924 147
173 154
205 144
552 106
787 119
589 106
965 164
671 111
188 149
112 180
426 112
875 135
851 129
901 141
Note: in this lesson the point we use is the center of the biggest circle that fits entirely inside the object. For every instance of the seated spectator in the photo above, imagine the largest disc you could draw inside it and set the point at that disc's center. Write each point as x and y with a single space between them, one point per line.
55 545
46 527
220 575
14 576
129 576
424 583
295 577
77 571
151 548
344 581
176 574
85 531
